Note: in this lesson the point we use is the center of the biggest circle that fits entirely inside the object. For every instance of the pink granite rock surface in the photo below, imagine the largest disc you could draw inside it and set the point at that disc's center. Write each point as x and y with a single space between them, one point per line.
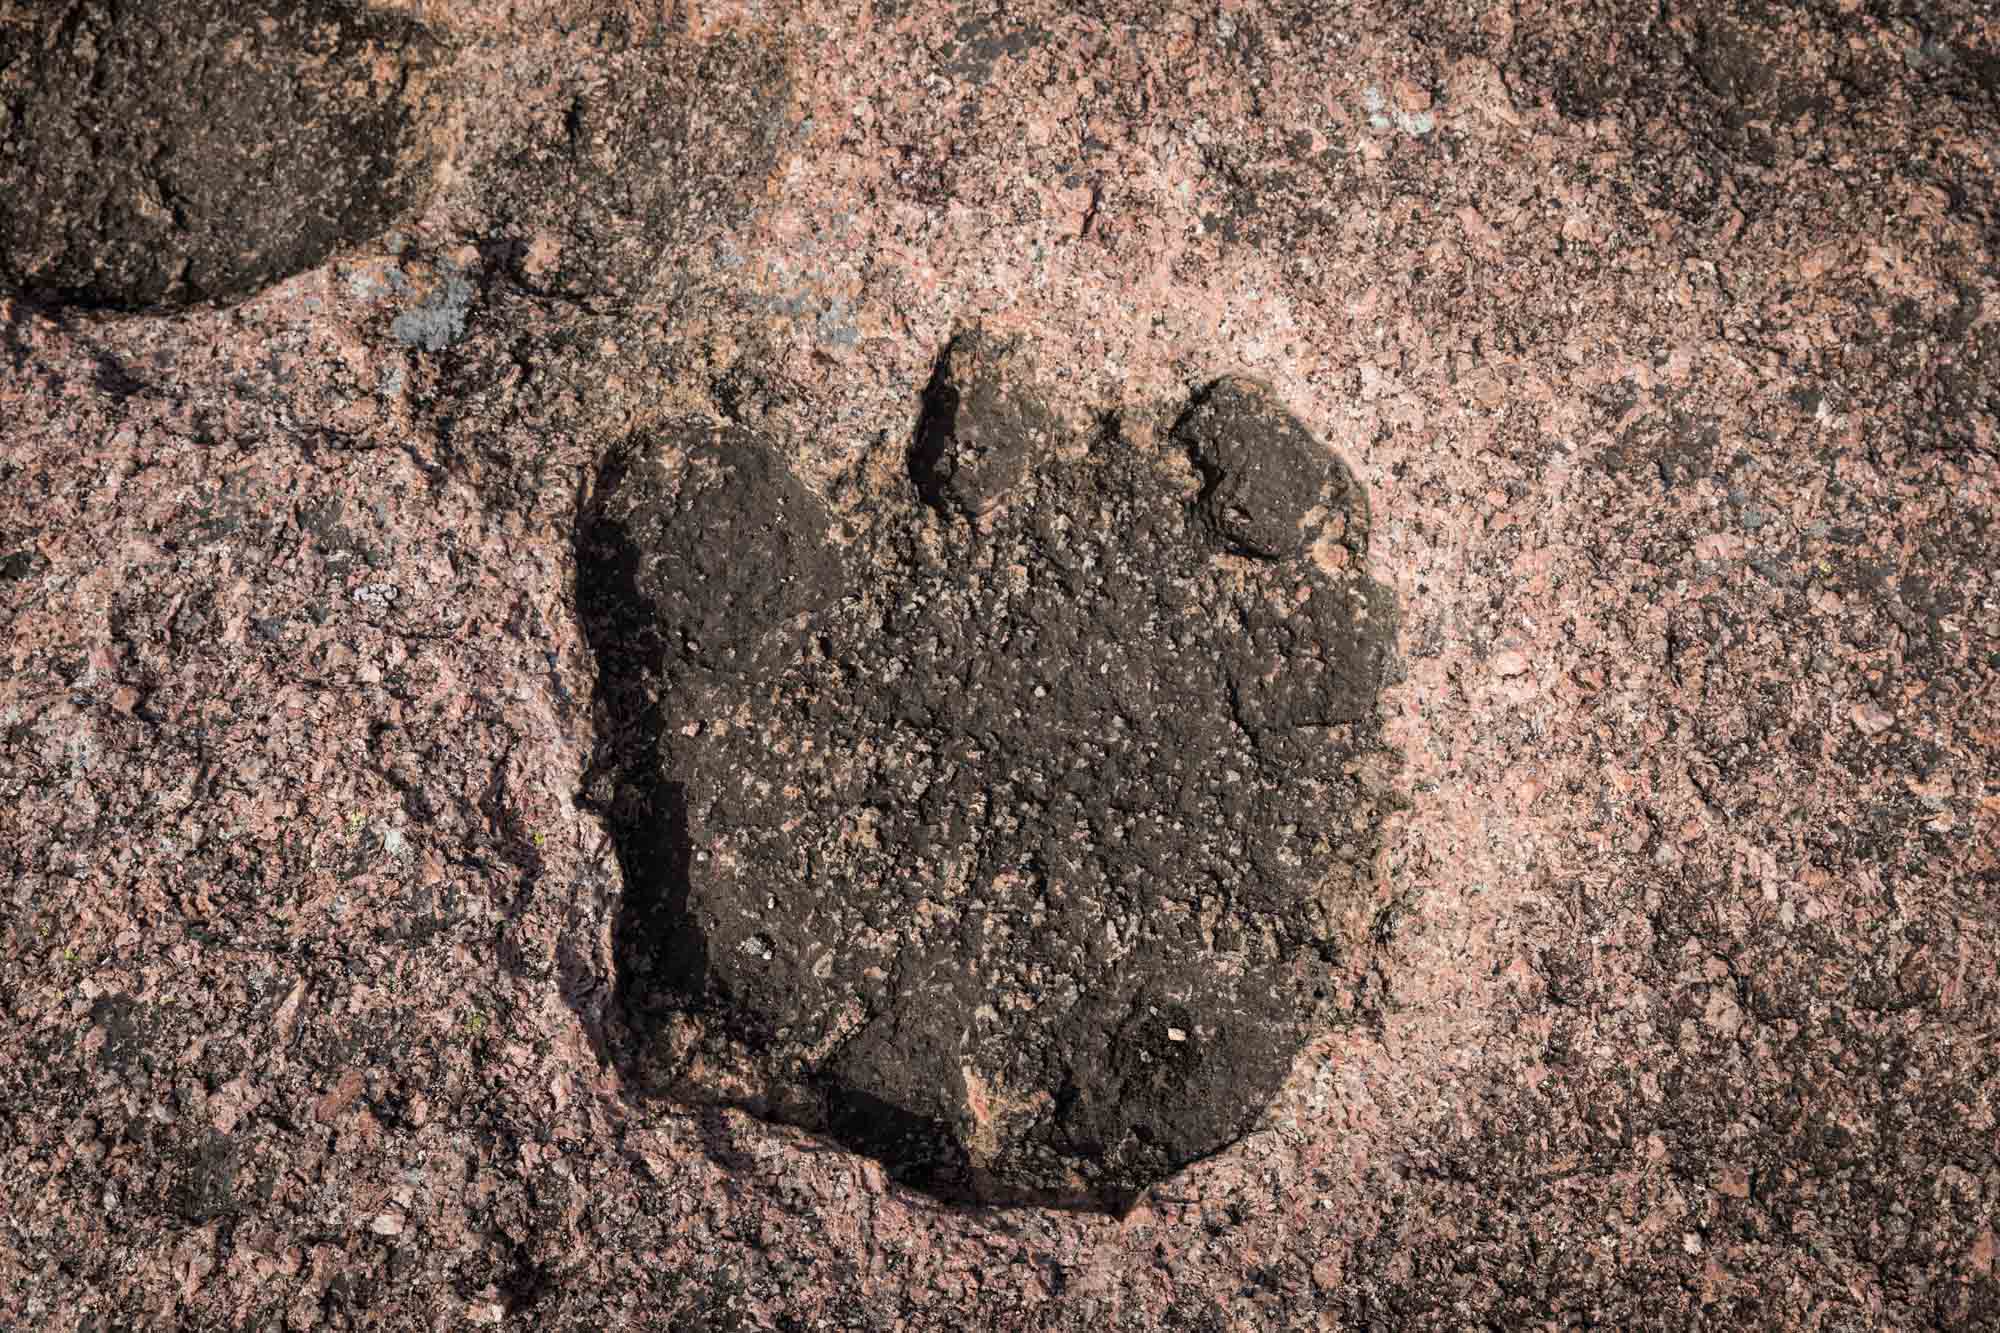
1666 342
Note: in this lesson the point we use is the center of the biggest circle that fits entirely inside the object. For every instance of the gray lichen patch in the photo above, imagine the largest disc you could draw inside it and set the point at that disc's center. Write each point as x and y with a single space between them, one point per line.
437 320
1023 855
164 152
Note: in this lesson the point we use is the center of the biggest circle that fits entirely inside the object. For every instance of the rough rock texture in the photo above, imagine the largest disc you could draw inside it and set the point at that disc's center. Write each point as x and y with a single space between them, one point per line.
1676 408
161 152
1016 853
647 141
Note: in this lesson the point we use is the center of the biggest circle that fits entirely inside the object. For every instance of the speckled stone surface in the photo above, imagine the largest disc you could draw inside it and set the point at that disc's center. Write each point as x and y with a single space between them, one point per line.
1662 338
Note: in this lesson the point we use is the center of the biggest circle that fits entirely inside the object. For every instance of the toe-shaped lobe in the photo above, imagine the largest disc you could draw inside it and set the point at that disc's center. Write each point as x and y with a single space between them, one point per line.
725 551
1269 489
983 424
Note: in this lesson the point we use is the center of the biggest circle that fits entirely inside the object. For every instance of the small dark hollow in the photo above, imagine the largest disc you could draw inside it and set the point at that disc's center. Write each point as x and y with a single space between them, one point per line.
917 1149
659 951
659 946
930 452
